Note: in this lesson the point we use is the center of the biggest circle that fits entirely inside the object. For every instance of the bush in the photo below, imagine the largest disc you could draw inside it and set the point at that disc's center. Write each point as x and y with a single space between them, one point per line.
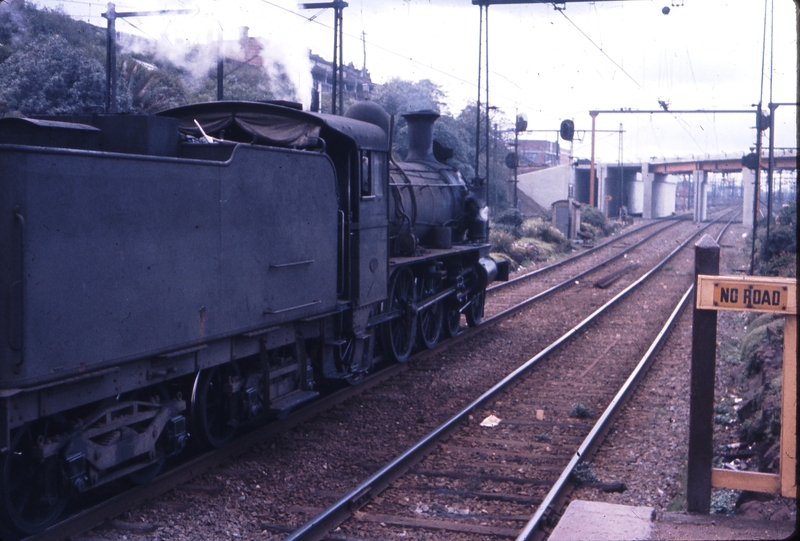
592 216
763 331
509 217
501 240
588 230
539 229
526 249
783 265
779 254
782 240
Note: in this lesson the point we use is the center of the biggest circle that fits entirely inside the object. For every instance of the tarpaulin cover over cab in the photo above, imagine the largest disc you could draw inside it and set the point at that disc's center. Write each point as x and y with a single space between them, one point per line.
258 123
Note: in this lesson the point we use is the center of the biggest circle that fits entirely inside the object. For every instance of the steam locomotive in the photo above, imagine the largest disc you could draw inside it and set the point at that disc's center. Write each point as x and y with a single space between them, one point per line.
166 278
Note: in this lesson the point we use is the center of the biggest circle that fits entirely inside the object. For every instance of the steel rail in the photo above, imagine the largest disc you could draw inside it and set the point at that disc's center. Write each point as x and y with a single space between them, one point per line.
610 412
98 514
560 262
343 508
569 281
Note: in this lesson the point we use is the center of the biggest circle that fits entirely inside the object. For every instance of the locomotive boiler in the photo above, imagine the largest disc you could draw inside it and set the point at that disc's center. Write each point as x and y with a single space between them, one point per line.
169 277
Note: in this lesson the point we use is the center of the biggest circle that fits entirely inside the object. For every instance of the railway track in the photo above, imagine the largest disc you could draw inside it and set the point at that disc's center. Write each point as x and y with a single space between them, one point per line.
208 463
479 475
505 298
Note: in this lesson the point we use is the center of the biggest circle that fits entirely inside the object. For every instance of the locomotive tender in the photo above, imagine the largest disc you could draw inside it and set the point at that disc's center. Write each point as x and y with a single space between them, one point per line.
183 273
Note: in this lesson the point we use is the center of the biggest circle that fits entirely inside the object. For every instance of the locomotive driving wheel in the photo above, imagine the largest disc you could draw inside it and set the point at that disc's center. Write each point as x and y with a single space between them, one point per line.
452 321
400 333
431 319
33 490
212 407
474 311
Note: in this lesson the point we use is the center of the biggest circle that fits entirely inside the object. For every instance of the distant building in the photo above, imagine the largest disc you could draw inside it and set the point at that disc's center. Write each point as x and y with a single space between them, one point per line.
356 83
247 52
535 154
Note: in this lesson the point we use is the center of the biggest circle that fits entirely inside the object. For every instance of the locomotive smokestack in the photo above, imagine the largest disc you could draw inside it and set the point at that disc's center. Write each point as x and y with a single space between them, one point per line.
420 135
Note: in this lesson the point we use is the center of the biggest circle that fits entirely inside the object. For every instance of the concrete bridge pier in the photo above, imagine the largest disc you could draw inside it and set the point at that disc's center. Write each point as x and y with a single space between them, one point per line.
658 197
647 195
700 183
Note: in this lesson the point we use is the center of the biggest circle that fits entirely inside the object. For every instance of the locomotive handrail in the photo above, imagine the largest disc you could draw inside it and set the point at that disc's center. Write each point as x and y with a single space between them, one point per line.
266 312
6 393
340 285
411 184
398 200
293 264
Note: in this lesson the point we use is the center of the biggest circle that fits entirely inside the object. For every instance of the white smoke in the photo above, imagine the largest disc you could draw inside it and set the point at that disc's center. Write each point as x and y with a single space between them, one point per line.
191 41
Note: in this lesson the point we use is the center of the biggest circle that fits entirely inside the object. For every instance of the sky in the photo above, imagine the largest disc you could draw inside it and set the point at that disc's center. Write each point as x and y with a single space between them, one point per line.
548 64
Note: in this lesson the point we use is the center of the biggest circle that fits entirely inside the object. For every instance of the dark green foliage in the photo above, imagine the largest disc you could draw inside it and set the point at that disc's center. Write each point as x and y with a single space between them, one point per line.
51 78
583 473
509 217
782 239
399 96
782 265
592 216
22 25
581 411
763 334
778 254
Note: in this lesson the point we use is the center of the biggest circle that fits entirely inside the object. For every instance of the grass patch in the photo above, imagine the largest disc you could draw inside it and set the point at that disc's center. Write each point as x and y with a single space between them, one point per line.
723 501
583 473
581 411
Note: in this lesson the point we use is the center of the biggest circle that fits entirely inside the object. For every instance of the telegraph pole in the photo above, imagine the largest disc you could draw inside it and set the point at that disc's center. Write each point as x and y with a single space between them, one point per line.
338 6
591 162
111 15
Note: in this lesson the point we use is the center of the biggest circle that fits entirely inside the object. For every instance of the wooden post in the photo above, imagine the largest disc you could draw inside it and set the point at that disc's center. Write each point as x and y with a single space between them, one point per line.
789 410
701 397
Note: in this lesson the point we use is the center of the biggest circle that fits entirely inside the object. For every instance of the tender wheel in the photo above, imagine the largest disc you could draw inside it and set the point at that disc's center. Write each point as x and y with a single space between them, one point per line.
431 319
33 491
212 415
157 396
474 311
399 333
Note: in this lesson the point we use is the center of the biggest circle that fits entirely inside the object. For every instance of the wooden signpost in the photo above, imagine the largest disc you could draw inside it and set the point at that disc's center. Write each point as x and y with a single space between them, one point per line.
761 294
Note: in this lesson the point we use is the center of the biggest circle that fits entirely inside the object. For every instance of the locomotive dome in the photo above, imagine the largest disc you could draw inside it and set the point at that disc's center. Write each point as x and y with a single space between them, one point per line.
371 112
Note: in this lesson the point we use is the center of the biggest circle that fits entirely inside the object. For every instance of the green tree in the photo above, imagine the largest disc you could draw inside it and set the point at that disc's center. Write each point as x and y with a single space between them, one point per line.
22 24
51 77
399 96
499 174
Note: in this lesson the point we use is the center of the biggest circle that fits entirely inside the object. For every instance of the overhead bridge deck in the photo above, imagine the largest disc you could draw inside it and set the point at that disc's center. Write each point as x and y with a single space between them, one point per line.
656 188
